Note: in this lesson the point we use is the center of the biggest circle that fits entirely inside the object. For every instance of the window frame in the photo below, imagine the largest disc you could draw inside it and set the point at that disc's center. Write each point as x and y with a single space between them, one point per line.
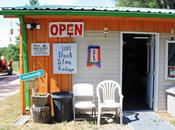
166 59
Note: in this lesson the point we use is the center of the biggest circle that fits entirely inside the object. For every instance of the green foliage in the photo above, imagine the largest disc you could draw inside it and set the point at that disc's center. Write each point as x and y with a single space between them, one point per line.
139 3
153 4
15 66
169 4
12 51
33 2
3 51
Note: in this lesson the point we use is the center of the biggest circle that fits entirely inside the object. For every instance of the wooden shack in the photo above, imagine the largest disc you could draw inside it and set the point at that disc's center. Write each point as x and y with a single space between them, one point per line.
136 48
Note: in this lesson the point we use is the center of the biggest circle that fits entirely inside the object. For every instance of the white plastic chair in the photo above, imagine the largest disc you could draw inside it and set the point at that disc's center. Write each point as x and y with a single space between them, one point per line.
80 92
106 92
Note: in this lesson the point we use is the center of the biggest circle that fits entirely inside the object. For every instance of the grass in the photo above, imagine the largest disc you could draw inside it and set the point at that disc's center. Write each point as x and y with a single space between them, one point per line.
10 111
15 66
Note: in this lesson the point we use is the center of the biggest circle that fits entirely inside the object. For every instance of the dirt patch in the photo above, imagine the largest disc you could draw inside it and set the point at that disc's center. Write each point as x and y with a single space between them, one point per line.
78 125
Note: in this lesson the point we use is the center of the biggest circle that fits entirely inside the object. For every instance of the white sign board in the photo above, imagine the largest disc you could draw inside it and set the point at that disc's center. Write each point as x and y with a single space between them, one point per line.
65 58
66 29
40 49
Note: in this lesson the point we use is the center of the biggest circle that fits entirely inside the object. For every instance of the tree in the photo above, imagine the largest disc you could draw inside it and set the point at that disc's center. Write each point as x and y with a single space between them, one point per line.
168 4
138 3
12 51
33 2
3 51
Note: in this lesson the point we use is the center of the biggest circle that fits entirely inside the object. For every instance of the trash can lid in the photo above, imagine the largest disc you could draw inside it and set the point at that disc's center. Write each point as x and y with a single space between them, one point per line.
63 94
171 90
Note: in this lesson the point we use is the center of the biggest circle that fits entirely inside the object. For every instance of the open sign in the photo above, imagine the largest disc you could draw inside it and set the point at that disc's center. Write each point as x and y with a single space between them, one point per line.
66 29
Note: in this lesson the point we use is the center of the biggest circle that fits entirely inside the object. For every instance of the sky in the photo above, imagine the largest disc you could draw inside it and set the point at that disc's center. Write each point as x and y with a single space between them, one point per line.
8 23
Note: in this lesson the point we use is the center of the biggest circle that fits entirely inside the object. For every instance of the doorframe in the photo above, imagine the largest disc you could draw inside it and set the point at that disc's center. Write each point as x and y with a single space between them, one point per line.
156 79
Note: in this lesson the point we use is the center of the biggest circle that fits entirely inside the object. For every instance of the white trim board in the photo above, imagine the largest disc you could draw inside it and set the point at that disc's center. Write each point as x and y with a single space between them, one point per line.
156 81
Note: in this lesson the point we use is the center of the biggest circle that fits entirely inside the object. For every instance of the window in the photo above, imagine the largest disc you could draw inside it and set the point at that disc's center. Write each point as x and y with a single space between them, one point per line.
170 60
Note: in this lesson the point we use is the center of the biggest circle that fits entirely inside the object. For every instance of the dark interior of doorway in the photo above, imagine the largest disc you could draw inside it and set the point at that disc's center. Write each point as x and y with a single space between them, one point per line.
134 71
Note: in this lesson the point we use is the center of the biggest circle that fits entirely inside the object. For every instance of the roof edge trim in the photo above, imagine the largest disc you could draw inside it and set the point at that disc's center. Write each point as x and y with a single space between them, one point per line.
85 13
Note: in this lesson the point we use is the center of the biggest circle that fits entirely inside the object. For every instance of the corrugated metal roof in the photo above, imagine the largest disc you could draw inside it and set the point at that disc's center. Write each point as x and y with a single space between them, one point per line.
87 11
91 8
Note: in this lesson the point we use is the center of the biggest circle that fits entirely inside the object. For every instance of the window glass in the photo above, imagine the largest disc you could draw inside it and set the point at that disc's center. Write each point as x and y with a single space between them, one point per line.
171 60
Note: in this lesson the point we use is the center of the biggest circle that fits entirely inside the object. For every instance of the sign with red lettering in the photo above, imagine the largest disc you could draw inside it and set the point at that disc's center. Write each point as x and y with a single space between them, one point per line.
66 29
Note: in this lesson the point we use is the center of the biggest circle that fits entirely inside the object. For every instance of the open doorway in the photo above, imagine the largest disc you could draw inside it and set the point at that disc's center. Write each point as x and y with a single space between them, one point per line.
138 67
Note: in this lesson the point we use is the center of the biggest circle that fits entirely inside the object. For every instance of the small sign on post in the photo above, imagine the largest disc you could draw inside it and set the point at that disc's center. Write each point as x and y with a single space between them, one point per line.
32 75
31 78
40 49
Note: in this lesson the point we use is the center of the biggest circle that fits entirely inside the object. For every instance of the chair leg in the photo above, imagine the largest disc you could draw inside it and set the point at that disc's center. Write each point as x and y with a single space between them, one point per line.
116 112
74 114
95 117
98 118
92 113
121 116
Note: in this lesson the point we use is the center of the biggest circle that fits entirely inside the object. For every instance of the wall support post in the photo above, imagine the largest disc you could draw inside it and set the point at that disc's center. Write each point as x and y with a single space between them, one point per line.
25 59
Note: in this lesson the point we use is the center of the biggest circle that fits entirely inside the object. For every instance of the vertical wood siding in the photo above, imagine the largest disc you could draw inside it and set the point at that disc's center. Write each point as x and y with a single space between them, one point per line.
49 82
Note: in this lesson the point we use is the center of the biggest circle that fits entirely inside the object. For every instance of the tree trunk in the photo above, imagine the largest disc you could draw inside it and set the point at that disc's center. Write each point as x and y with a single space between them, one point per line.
41 114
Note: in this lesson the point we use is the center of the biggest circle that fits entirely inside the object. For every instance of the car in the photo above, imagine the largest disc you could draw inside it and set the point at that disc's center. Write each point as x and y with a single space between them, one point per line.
6 67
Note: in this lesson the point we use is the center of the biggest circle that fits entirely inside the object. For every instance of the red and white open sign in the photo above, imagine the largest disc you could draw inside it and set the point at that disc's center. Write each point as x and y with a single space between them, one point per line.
66 29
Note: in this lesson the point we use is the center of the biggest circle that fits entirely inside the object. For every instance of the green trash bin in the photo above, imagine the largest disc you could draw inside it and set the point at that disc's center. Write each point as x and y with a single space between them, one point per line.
62 103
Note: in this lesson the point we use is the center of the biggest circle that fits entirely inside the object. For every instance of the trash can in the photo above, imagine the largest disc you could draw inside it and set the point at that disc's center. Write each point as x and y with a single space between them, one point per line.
62 103
171 101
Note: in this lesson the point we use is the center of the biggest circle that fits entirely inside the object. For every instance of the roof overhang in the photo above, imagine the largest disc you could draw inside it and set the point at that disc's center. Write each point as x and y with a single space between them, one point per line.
115 12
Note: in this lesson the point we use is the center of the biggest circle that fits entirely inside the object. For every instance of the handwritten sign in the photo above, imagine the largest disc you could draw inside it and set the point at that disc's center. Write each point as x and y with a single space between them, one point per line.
40 49
65 58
